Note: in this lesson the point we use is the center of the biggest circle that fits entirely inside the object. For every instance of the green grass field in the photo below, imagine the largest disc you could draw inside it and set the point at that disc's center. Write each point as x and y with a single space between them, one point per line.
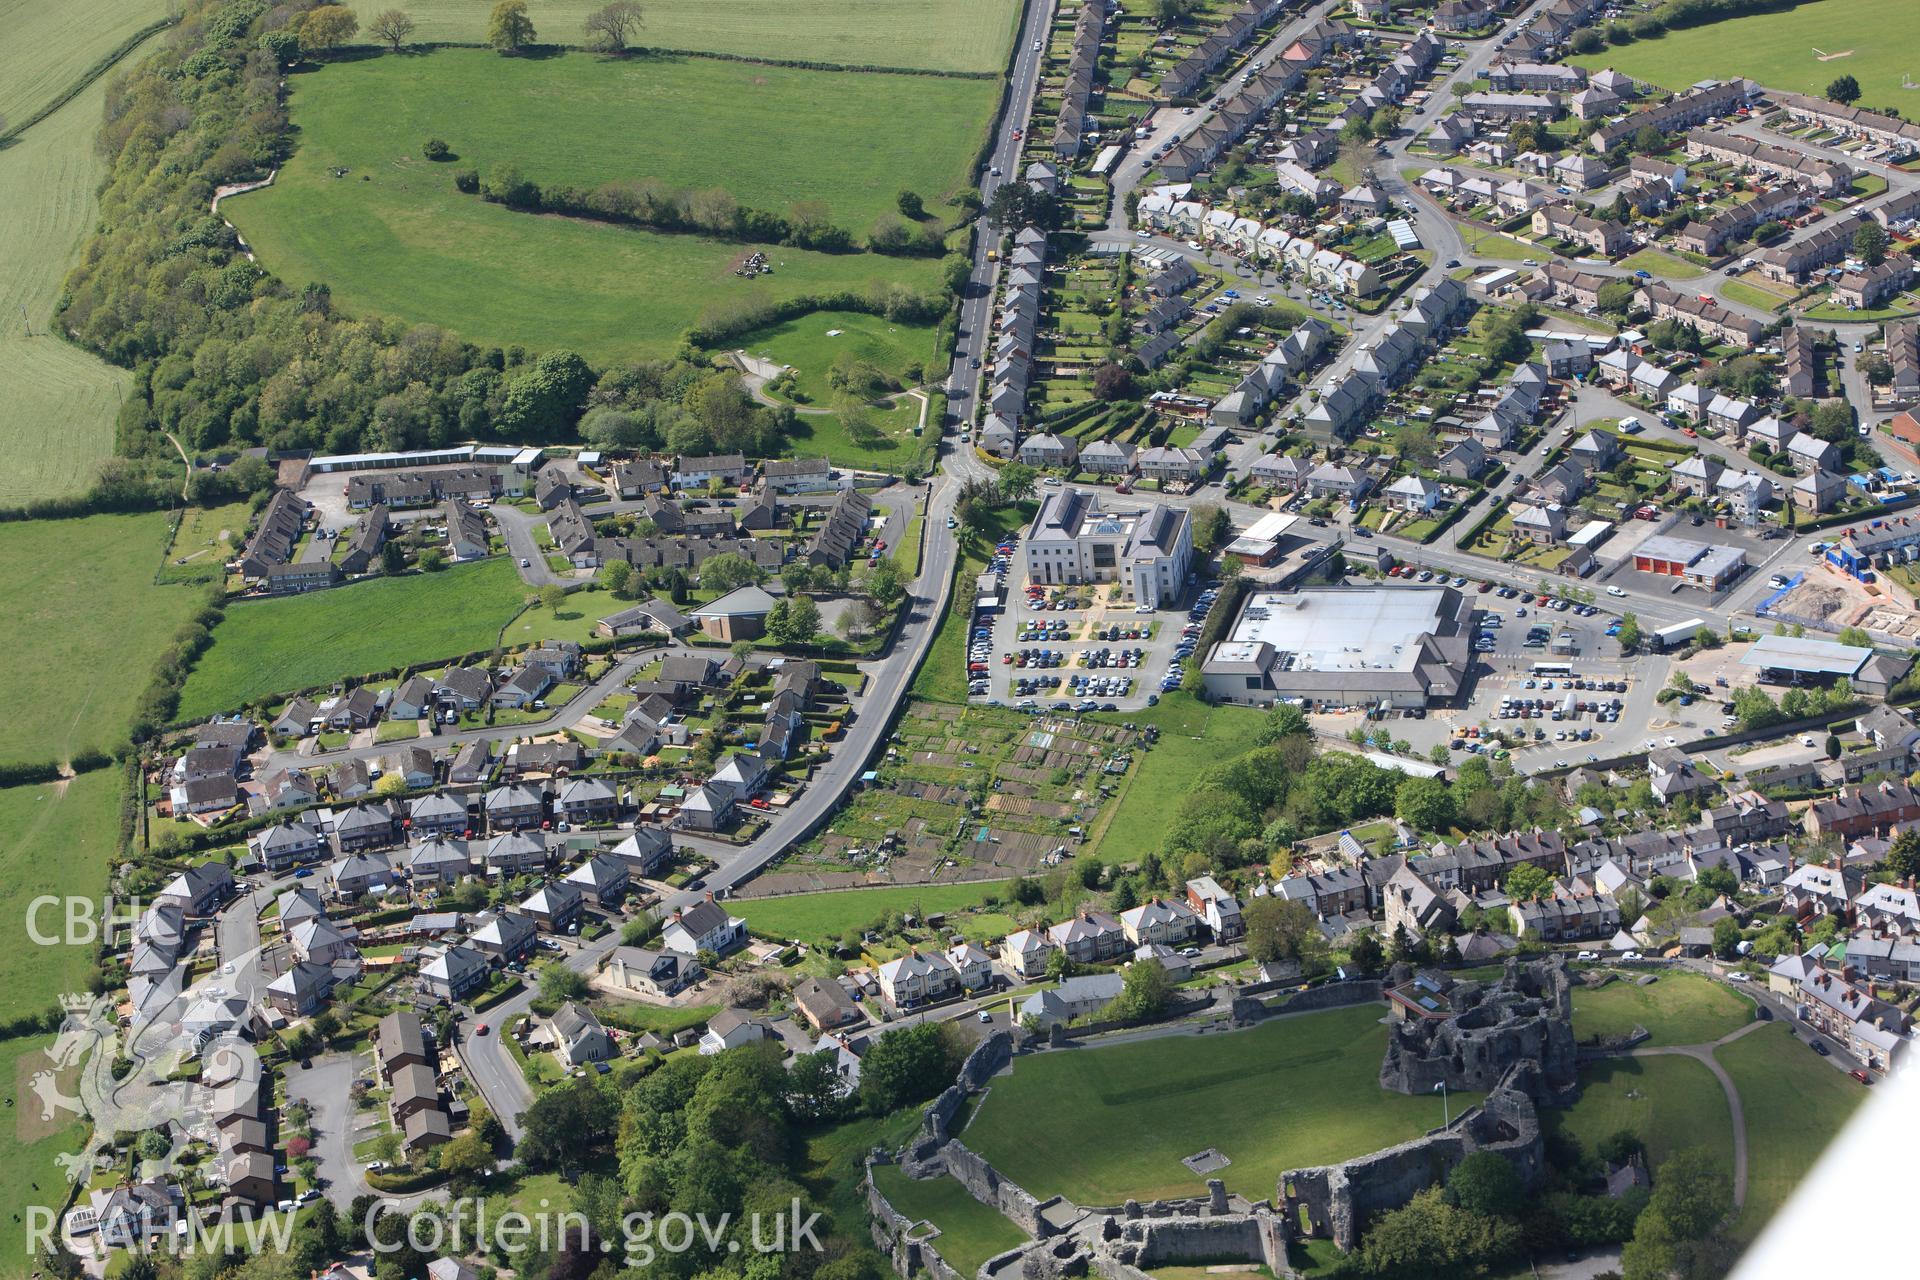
1662 264
394 236
970 1233
1741 291
28 1172
1681 1008
1671 1103
54 839
824 434
812 343
60 401
1163 775
278 646
1098 1125
1777 50
821 918
45 48
938 35
1795 1102
85 625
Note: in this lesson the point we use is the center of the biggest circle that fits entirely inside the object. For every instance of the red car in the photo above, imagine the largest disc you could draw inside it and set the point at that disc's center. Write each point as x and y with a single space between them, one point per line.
480 1030
1861 1076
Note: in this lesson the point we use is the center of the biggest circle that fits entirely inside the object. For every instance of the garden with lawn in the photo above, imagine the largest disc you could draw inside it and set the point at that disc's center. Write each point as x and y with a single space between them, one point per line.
1678 1008
1100 1125
822 919
360 207
265 647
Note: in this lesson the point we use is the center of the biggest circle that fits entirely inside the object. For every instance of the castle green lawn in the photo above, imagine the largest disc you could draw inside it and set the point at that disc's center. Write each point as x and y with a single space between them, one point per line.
84 624
970 1232
1681 1008
393 235
1160 777
1672 1104
938 35
813 342
820 919
1098 1124
303 642
1777 49
1795 1102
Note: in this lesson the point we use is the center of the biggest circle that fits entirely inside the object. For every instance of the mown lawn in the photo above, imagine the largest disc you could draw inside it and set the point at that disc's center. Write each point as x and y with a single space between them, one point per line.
1100 1124
358 208
1663 264
970 1232
1188 743
1672 1104
811 344
1781 49
1795 1102
819 919
303 642
84 623
893 447
1681 1008
939 35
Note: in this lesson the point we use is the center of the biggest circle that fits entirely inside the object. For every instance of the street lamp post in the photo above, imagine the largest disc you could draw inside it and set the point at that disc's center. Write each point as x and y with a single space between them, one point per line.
1446 1117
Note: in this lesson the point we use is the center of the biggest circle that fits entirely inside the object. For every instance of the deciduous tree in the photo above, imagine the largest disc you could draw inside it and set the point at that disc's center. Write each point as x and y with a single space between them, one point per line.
392 26
509 29
328 27
609 28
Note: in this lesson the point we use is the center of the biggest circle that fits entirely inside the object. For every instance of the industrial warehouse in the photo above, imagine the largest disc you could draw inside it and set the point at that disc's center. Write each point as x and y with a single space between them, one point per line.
1334 647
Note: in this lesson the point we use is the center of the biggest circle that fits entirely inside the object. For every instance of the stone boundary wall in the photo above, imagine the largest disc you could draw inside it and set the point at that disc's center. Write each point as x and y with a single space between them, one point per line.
1340 1199
892 1236
1329 995
987 1185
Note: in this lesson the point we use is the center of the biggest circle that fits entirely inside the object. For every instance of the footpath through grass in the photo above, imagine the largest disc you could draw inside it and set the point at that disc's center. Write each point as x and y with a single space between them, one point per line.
1672 1104
1681 1008
1101 1123
303 642
1795 1102
83 625
970 1232
939 35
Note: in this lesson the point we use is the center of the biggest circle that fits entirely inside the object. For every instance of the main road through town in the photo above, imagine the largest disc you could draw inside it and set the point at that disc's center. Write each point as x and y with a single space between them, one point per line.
488 1063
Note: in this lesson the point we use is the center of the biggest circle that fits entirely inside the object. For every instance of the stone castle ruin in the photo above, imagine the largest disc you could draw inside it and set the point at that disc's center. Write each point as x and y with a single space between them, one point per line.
1468 1035
1512 1038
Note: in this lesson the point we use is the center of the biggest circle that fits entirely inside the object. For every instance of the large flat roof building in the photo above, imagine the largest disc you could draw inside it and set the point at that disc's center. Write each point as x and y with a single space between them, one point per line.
1076 538
1339 646
1804 658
